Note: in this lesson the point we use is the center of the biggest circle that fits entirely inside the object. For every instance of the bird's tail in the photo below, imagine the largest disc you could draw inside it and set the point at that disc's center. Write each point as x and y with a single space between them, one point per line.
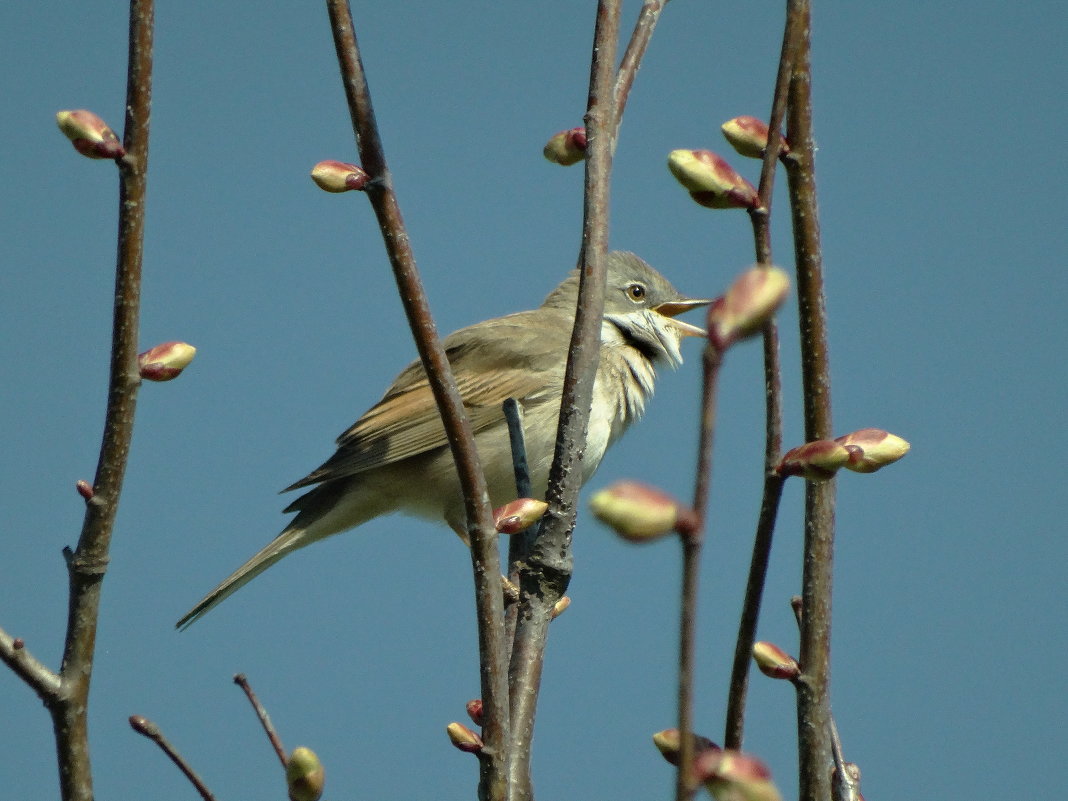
288 541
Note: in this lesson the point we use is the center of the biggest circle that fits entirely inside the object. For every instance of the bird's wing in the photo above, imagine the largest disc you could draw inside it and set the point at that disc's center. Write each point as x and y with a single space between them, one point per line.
406 421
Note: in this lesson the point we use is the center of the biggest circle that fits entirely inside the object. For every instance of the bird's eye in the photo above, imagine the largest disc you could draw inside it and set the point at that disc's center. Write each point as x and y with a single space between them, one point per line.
636 292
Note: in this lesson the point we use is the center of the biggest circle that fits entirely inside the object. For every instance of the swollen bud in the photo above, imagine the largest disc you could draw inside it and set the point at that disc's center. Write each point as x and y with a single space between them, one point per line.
474 710
464 738
749 136
305 776
567 147
816 461
711 180
669 742
560 607
734 776
871 449
774 662
89 134
339 176
517 515
166 361
636 512
747 306
85 489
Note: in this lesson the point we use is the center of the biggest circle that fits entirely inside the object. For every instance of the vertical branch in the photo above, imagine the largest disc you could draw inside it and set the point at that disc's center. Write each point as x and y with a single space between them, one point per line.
691 559
87 564
773 483
484 556
547 572
813 707
632 58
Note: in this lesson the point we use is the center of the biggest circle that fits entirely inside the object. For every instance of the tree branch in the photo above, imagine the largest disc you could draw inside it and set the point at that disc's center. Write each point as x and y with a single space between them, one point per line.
773 483
483 536
87 564
545 576
813 707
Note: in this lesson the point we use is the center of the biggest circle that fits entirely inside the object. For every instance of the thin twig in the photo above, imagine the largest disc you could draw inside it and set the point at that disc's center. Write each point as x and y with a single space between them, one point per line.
773 483
265 720
632 58
815 757
484 556
544 577
87 564
691 557
27 667
143 725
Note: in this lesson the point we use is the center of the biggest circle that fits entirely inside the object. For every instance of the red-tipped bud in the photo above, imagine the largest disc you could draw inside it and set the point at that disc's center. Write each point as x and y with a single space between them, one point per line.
85 489
749 136
89 134
517 515
711 180
734 776
567 147
18 644
636 512
745 308
669 744
339 176
872 448
816 461
474 710
305 776
774 662
166 361
560 607
464 738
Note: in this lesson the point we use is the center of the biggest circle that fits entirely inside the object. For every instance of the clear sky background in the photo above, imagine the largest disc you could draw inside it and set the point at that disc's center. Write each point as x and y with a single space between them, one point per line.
940 170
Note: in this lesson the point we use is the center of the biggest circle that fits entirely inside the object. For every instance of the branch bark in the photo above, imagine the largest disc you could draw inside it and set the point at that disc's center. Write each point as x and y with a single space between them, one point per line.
484 555
813 705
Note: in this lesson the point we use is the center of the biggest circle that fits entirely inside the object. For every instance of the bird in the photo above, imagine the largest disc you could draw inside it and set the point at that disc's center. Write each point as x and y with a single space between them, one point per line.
396 457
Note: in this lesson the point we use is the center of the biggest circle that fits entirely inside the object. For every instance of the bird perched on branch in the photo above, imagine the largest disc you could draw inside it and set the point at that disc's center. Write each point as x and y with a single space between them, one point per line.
396 458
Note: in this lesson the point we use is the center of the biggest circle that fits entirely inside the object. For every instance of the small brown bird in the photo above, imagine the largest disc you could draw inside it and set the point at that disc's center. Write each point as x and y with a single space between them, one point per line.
396 458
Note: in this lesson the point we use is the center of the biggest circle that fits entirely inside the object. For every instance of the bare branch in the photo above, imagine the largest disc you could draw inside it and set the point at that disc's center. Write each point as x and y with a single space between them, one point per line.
146 727
25 665
813 707
483 536
545 576
241 680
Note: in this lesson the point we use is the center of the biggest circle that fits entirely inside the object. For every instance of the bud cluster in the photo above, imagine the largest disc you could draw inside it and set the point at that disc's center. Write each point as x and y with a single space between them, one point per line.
863 451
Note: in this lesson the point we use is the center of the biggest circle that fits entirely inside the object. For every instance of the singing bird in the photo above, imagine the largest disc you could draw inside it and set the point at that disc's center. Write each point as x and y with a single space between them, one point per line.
396 458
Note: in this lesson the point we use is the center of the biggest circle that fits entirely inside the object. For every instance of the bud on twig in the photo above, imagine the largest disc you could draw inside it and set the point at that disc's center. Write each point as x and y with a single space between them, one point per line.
816 461
711 180
749 136
745 308
305 776
517 515
474 710
166 361
567 147
871 449
637 512
339 176
560 607
669 744
85 489
774 662
89 134
734 776
463 738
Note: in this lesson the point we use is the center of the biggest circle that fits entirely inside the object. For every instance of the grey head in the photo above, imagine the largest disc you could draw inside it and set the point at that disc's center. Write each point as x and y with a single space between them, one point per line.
640 303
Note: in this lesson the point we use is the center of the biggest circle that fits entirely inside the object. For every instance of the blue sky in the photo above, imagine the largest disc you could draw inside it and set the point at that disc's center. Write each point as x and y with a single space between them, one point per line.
940 173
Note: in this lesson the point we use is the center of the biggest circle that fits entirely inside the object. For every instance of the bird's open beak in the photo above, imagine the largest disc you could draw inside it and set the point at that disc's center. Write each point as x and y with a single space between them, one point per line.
674 307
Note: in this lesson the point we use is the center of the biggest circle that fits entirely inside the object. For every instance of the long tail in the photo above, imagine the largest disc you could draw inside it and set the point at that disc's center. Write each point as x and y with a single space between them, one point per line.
288 541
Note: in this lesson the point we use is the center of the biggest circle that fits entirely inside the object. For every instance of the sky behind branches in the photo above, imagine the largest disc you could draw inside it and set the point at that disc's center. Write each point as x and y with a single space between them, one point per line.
940 177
